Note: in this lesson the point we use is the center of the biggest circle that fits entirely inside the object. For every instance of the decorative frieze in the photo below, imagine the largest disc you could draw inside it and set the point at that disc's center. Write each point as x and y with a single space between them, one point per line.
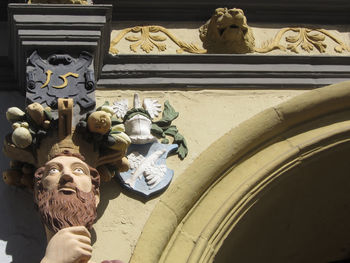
227 32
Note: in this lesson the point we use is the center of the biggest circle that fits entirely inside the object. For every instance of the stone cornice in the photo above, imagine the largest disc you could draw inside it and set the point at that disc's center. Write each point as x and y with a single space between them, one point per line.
272 11
223 71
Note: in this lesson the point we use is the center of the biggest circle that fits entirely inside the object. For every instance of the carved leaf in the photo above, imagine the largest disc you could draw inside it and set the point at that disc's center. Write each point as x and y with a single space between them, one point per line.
133 47
316 37
180 51
132 38
191 48
157 37
136 29
147 46
339 49
292 39
292 48
161 47
320 46
154 29
113 50
307 46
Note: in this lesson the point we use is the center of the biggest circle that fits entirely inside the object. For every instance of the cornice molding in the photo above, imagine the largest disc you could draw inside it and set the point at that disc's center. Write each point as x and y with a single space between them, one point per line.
223 71
272 11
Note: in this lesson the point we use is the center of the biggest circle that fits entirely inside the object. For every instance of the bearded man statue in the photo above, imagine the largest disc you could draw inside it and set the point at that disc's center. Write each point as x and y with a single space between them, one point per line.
66 192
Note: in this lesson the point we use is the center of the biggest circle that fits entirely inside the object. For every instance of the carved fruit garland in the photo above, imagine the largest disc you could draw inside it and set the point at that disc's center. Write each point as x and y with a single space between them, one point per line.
148 40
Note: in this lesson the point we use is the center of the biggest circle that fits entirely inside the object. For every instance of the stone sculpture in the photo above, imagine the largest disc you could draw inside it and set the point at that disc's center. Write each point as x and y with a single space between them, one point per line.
66 191
148 172
62 148
227 32
66 181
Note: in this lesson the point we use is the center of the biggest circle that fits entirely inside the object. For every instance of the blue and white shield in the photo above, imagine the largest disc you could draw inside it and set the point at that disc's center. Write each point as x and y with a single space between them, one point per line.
148 173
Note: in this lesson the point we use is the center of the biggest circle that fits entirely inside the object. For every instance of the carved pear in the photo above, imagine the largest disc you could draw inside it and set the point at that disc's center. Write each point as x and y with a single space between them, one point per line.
21 137
14 114
36 112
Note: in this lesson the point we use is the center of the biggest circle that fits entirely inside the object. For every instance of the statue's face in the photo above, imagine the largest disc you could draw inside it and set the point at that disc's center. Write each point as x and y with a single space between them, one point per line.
66 174
66 192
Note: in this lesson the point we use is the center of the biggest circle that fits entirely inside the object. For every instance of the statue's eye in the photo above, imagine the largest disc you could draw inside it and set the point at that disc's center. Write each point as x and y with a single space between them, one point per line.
53 170
79 171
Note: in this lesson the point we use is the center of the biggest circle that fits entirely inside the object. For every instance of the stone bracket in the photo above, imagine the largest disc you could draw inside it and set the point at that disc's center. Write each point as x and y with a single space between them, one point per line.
54 28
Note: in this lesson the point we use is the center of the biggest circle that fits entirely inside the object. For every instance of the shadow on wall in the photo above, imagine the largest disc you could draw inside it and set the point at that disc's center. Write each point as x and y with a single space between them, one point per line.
22 237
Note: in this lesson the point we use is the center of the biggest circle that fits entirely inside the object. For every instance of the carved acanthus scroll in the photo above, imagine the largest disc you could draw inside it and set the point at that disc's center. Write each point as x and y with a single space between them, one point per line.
305 38
148 40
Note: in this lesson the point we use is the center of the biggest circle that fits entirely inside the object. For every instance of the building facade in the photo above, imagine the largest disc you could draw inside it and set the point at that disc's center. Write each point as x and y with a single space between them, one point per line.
267 126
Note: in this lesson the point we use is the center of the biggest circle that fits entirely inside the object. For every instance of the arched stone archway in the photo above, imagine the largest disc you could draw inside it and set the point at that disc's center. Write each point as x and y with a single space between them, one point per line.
303 216
229 181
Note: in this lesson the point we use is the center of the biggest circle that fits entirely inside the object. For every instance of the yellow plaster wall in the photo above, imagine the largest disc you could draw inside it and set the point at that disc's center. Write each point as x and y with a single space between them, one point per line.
205 116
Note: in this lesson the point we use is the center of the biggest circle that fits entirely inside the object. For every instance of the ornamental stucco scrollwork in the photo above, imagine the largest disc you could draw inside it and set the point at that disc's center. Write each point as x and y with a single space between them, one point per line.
305 38
148 40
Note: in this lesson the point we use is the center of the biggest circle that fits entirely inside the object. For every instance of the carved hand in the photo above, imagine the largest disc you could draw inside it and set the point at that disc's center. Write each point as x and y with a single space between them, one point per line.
69 245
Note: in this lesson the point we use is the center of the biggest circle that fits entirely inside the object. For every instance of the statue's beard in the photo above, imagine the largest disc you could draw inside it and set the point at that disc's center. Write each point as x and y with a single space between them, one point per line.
60 210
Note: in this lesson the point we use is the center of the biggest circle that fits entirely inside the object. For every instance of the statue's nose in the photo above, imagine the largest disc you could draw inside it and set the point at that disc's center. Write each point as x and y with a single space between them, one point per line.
65 178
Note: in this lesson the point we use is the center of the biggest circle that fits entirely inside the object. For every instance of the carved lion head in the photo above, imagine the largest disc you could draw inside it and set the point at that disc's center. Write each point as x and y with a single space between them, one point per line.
227 31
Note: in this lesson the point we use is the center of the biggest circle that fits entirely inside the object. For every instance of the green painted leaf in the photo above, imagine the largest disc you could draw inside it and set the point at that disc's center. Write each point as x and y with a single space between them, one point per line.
165 141
172 130
182 151
106 103
156 130
115 121
48 115
169 114
178 137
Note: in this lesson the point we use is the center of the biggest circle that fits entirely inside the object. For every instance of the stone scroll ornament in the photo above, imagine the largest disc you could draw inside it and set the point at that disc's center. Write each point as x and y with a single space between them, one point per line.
61 148
148 172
